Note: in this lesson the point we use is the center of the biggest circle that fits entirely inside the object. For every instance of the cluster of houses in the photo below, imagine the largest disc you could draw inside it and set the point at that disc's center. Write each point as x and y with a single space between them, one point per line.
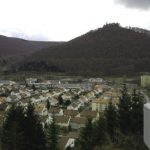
72 103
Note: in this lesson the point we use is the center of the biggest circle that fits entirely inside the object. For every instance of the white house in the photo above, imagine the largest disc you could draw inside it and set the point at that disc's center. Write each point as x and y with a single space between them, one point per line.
66 142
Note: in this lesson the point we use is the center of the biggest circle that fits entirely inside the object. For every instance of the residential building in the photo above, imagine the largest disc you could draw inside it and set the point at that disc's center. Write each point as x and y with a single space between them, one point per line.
78 122
99 105
63 121
65 142
145 81
55 111
94 115
71 113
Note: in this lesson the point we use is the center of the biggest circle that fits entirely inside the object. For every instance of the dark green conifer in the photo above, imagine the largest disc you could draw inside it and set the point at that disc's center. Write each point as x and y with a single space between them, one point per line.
48 105
124 111
86 140
35 137
13 129
111 120
53 135
137 112
100 132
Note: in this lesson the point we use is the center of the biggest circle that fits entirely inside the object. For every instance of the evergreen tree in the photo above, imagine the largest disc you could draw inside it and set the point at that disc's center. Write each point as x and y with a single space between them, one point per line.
13 129
35 137
100 132
137 112
68 148
48 105
111 120
67 103
132 142
124 111
60 100
53 135
86 140
0 137
33 87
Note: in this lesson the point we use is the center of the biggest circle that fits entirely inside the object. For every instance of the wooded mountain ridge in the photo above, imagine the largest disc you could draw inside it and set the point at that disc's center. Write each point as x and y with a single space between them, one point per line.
15 47
110 50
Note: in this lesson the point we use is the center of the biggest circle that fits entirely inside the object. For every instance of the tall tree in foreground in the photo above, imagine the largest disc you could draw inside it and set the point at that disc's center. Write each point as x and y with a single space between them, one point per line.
13 129
0 137
100 132
137 112
53 135
35 137
111 120
22 130
124 111
86 136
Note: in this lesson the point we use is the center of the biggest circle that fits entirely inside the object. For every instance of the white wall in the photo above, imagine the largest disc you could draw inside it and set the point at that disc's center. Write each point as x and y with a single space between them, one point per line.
70 143
147 124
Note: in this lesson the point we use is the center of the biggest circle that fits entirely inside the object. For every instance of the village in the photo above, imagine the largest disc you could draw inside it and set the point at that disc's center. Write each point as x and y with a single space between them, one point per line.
72 102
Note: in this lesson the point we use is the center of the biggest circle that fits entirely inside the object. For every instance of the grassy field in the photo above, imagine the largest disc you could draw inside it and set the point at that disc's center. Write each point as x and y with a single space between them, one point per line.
44 75
20 76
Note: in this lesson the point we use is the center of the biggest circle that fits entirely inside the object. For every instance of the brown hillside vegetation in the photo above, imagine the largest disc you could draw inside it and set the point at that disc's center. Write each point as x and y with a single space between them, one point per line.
111 50
14 47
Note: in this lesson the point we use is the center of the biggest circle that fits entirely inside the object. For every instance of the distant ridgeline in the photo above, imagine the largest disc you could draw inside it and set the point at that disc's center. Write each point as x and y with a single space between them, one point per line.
110 50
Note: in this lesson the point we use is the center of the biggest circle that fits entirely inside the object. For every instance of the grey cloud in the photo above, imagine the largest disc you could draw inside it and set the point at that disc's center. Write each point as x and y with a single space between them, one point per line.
142 4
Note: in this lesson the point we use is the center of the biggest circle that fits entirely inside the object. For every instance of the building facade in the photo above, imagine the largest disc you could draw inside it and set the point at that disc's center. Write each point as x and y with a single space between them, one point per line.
147 124
145 81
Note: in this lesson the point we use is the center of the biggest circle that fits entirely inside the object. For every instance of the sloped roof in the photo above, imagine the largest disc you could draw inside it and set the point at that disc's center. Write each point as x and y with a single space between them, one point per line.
62 119
88 114
79 120
54 110
71 113
62 142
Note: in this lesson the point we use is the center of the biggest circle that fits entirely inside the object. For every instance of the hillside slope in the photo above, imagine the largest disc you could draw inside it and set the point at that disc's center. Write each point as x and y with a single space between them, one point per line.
15 47
108 50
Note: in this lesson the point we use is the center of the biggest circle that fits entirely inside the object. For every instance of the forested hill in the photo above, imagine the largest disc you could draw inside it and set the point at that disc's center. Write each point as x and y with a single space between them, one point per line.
15 47
108 50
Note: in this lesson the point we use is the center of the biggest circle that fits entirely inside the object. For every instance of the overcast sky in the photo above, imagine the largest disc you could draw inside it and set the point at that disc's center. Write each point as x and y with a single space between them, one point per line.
62 20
